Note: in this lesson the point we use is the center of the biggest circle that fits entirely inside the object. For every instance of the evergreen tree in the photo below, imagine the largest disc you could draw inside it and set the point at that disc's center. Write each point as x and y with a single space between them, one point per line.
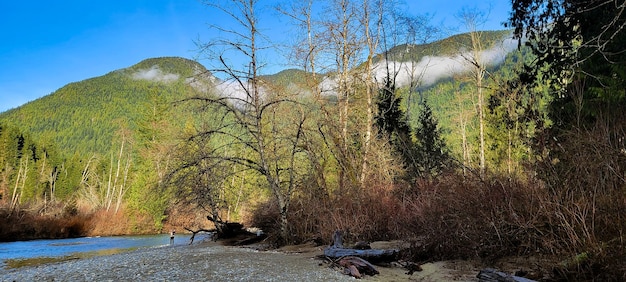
392 121
432 154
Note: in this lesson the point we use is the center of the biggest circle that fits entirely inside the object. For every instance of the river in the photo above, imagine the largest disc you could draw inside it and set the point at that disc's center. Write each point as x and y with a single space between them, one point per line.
111 259
206 261
24 253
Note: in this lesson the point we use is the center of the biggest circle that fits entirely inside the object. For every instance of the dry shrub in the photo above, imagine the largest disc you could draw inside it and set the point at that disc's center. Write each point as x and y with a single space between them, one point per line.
576 213
571 207
55 220
266 217
586 176
185 215
370 214
28 224
122 222
459 217
108 223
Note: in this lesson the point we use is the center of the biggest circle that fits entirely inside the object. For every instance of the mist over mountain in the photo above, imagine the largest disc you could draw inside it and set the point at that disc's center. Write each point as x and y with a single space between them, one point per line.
425 65
123 130
432 68
84 116
155 74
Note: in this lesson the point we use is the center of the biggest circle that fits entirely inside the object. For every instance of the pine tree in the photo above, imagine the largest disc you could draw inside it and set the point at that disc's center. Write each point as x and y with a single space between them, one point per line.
392 121
431 151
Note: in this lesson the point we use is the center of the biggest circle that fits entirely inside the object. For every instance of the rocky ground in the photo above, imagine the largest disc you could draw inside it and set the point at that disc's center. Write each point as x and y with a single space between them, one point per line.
213 262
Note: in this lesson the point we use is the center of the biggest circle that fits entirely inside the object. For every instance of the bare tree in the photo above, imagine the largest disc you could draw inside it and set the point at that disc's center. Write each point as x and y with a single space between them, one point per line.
116 185
308 47
250 113
372 35
346 38
20 183
199 177
472 20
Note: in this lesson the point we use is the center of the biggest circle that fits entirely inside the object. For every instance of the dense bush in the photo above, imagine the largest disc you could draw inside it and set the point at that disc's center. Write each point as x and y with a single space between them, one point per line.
29 225
457 217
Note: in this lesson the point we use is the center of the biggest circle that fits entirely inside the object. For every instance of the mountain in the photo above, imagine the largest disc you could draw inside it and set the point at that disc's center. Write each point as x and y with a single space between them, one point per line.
288 77
129 119
449 46
84 116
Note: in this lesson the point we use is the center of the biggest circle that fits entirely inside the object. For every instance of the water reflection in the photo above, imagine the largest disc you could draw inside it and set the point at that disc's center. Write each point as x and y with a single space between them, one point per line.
28 253
21 262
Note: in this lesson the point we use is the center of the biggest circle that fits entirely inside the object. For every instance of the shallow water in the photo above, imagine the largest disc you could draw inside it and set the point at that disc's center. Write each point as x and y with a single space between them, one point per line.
23 253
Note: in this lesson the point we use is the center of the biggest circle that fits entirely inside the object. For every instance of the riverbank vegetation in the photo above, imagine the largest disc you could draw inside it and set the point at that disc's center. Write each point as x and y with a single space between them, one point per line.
521 154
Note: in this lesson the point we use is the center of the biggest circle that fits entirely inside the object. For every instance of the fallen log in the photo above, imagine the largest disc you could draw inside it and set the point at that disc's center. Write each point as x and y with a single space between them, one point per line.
493 275
354 266
227 229
194 232
372 255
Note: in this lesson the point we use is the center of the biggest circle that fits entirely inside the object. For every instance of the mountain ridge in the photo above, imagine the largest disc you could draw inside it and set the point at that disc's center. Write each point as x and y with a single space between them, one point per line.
103 105
97 107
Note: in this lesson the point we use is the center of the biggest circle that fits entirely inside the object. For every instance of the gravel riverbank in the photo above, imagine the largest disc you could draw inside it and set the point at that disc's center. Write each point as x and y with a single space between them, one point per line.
199 262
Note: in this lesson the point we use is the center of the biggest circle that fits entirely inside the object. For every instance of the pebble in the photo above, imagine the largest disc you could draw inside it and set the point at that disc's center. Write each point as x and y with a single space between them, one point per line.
200 262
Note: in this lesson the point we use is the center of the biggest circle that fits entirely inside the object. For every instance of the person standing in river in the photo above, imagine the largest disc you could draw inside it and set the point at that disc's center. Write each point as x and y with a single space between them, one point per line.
172 233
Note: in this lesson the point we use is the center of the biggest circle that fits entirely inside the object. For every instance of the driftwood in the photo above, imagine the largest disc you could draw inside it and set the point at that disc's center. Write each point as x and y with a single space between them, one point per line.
354 266
230 233
412 268
372 255
194 232
234 233
362 245
492 275
225 229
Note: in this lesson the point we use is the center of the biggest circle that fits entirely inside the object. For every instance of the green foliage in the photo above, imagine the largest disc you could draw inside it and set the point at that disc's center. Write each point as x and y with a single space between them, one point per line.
579 51
515 117
290 78
86 121
580 64
392 121
83 116
431 150
29 170
516 114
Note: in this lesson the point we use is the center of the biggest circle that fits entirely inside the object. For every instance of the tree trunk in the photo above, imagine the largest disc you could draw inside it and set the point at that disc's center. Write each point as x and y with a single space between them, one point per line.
337 250
355 266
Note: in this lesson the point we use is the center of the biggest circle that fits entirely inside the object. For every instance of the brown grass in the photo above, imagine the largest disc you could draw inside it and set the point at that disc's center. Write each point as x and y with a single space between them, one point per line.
368 215
67 221
457 217
27 224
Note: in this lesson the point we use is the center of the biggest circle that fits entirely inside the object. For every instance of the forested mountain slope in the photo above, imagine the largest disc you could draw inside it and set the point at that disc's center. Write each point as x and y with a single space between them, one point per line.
449 46
102 144
84 116
107 141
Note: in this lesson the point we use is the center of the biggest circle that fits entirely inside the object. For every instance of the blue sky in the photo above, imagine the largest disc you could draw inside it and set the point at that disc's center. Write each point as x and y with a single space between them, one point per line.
48 44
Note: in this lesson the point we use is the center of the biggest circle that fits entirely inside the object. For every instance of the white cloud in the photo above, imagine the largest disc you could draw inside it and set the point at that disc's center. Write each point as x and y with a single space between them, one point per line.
239 94
155 74
430 69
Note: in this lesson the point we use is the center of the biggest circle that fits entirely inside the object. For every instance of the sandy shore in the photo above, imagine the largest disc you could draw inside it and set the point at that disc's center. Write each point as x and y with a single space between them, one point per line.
214 262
